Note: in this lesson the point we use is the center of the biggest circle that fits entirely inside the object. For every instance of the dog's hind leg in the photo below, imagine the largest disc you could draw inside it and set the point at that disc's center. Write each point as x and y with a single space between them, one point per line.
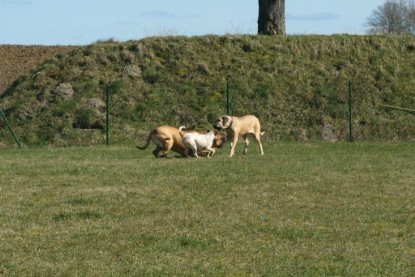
156 152
186 151
193 146
260 147
168 144
194 149
258 138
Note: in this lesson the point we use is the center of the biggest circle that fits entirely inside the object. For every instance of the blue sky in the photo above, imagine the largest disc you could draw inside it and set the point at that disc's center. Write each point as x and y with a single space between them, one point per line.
81 22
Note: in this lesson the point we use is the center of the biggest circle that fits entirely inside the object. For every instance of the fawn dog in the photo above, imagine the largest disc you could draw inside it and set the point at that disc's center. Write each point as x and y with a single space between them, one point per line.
240 127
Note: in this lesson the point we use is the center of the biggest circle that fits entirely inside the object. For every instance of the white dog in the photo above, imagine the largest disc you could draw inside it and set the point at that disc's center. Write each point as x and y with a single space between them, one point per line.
198 142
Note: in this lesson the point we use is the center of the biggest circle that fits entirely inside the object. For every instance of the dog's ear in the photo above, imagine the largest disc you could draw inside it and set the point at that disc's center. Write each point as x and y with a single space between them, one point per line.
227 121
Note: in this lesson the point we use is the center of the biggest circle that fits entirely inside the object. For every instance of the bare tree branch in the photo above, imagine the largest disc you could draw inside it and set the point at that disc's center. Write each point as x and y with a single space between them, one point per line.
393 17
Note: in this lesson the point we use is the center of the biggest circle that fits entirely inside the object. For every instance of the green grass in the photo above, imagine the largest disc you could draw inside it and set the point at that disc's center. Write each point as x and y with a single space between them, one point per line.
302 209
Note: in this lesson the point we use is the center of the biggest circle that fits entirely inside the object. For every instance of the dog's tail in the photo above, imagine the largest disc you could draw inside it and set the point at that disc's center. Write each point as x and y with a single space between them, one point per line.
262 133
149 138
181 130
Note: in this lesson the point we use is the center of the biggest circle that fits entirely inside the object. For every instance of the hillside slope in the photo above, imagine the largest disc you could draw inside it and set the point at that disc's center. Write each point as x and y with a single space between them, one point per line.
18 60
297 85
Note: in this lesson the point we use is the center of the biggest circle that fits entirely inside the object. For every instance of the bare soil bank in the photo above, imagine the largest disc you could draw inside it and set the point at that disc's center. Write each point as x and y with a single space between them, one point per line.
18 60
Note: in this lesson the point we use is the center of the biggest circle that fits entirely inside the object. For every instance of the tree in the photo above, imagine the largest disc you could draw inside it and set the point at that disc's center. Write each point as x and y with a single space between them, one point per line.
271 18
393 17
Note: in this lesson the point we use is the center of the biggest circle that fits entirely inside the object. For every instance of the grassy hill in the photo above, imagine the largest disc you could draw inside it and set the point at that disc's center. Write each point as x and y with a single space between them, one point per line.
297 85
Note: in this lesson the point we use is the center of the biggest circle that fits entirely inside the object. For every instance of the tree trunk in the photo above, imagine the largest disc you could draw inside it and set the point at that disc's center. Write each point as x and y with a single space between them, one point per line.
271 19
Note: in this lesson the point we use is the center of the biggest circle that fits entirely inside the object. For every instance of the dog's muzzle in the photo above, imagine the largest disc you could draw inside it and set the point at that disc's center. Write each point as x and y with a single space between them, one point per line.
218 127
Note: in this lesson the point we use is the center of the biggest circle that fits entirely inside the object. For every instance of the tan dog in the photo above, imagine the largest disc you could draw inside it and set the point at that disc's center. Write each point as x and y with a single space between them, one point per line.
240 127
168 138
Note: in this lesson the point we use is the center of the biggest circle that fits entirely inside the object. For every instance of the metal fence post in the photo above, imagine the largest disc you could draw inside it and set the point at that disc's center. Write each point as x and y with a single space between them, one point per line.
10 128
350 113
108 114
227 96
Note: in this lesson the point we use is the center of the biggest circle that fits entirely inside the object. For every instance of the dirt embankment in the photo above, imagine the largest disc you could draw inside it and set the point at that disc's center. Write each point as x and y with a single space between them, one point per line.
18 60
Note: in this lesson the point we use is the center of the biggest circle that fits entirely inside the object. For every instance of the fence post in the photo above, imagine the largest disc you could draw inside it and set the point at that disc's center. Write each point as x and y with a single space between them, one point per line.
350 113
10 128
107 114
227 95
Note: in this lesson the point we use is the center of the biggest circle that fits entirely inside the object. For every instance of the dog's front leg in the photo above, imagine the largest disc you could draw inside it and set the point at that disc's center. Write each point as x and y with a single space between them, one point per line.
211 151
233 145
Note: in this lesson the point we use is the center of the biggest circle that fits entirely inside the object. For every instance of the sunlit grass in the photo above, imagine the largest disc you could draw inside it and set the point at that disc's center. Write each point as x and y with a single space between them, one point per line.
302 209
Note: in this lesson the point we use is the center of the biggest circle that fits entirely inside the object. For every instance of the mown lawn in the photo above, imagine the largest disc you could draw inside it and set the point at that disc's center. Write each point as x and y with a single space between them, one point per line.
302 209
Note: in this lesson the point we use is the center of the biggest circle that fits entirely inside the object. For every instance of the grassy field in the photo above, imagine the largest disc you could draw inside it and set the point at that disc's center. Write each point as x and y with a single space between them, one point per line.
302 209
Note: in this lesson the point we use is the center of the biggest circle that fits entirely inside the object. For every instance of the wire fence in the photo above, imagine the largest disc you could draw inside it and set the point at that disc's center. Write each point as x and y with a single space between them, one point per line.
267 109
